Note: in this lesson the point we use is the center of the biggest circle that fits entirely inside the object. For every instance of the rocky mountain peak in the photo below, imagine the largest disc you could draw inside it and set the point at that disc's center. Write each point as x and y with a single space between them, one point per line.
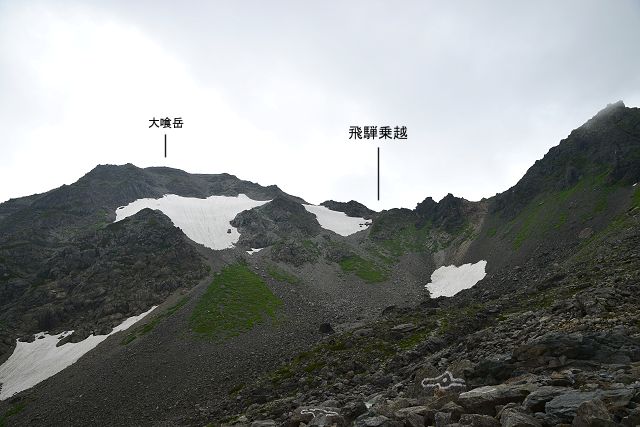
447 213
606 147
280 218
351 208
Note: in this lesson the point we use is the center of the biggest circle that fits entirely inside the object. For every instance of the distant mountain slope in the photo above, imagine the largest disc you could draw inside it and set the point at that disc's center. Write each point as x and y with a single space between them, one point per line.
40 237
64 264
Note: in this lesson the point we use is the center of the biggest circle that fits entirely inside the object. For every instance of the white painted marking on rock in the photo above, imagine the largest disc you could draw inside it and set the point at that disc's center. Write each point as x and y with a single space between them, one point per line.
449 280
336 221
205 221
33 362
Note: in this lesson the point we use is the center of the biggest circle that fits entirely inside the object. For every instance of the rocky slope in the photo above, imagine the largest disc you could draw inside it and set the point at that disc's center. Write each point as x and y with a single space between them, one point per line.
62 266
322 329
553 341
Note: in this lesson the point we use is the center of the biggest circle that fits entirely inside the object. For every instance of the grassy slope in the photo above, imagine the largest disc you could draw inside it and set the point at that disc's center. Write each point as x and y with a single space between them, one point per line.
235 301
549 212
283 276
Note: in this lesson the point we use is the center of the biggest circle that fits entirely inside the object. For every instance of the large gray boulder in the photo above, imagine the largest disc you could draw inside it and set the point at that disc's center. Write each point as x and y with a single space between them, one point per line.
512 417
591 414
565 406
483 400
535 401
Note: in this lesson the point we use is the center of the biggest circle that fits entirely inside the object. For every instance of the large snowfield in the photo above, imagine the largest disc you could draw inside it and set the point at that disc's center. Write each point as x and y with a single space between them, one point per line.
207 221
33 362
449 280
338 222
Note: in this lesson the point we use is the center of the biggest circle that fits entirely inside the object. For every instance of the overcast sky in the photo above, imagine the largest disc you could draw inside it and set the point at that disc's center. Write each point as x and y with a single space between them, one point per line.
267 90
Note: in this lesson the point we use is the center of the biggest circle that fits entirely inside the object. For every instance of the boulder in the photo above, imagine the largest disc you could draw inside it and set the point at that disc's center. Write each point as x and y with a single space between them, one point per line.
512 417
592 413
536 400
325 328
477 420
633 419
483 400
372 421
327 420
399 331
565 406
454 409
306 414
415 414
442 419
354 409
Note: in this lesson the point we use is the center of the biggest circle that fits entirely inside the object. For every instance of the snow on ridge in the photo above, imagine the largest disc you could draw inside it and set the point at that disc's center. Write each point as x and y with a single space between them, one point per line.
449 280
31 363
336 221
205 221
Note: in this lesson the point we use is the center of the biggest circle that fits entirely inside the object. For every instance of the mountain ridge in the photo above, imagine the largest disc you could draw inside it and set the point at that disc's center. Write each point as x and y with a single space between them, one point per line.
568 207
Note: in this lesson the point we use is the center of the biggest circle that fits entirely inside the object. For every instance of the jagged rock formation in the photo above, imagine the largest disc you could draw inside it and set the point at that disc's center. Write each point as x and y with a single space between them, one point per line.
351 208
55 249
549 337
279 219
99 279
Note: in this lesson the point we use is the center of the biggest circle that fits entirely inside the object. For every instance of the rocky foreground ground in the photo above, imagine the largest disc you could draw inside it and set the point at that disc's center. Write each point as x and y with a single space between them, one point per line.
546 343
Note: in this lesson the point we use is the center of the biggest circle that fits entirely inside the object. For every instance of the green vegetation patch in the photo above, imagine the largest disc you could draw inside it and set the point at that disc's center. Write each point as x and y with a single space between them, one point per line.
408 239
636 198
283 276
550 211
364 269
235 301
13 410
149 326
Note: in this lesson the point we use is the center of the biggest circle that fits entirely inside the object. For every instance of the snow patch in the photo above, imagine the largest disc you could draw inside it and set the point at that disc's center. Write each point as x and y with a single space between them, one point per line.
449 280
253 251
634 184
33 362
205 221
336 221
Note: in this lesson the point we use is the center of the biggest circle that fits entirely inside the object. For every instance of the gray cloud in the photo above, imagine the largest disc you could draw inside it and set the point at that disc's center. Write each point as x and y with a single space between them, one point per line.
268 90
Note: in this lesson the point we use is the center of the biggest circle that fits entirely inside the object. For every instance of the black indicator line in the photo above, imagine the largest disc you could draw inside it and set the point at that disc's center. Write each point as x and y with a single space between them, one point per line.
378 173
165 145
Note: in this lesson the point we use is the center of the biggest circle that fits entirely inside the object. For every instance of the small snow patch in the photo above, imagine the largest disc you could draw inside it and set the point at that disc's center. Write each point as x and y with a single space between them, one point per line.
205 221
253 251
449 280
635 184
33 362
336 221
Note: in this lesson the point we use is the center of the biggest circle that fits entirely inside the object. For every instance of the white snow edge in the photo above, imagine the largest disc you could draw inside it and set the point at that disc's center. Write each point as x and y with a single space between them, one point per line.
449 280
33 362
336 221
205 221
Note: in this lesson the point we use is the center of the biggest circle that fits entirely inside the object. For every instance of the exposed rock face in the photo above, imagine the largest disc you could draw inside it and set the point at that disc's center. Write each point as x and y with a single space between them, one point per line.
279 219
448 213
351 208
608 143
101 278
49 241
549 337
